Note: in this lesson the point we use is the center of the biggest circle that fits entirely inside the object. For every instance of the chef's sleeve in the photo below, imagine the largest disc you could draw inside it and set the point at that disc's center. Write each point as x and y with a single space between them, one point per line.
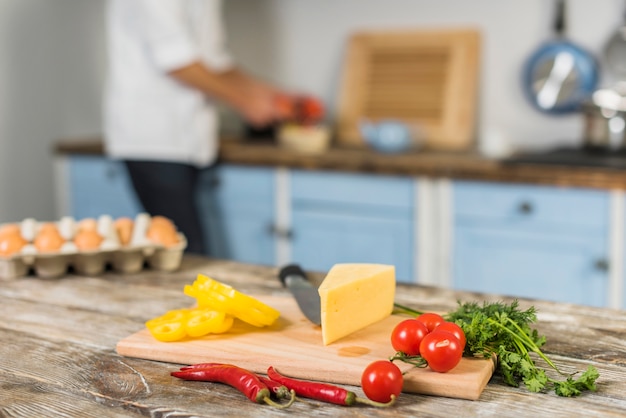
168 40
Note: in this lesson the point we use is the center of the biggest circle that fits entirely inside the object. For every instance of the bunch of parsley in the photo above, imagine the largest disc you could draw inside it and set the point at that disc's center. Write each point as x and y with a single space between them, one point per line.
505 331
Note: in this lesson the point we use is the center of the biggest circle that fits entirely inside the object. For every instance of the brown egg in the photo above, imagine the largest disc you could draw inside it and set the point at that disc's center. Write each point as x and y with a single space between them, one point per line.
88 239
10 229
124 229
88 223
162 231
11 241
48 239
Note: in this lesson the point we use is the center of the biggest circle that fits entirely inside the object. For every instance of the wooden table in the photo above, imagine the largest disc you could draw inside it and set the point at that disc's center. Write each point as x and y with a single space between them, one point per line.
57 356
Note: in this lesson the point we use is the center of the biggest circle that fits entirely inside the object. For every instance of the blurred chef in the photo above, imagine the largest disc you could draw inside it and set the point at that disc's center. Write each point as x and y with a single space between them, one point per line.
168 66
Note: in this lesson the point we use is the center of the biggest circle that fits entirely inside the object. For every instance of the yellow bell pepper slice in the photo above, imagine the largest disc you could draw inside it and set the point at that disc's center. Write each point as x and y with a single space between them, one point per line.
219 296
169 326
203 321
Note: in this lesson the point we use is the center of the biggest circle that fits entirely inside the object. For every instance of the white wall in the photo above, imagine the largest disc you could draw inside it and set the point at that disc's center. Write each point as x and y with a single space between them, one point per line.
52 59
301 43
51 56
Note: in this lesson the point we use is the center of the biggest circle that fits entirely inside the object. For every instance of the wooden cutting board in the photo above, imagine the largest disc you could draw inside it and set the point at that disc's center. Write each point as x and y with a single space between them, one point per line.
294 347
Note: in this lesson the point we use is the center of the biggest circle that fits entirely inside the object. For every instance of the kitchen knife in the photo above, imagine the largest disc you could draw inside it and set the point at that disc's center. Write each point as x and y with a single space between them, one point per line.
305 293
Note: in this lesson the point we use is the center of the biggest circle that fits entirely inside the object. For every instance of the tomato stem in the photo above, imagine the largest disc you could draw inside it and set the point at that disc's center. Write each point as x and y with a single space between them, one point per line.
417 361
405 309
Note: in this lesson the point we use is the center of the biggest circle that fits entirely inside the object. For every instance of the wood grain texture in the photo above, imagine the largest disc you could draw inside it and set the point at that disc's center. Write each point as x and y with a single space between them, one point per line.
57 356
428 163
426 79
294 347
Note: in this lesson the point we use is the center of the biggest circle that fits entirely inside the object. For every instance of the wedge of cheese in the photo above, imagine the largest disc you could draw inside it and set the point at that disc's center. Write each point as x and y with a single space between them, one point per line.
354 296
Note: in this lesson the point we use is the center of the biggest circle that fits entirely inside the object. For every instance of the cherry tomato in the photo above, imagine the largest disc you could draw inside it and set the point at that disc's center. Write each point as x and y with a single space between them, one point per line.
380 380
441 350
407 336
431 320
454 329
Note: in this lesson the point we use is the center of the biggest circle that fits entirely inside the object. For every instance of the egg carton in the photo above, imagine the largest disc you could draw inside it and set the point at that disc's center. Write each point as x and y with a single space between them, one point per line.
138 254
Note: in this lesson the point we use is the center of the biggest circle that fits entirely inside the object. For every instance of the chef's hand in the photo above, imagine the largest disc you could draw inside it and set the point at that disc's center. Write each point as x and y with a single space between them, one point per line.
256 101
264 104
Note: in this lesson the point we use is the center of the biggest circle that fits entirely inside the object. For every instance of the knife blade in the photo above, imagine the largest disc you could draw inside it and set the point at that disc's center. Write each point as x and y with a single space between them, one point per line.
293 278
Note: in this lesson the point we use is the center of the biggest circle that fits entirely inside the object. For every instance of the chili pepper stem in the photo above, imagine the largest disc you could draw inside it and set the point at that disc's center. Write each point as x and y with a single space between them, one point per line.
270 402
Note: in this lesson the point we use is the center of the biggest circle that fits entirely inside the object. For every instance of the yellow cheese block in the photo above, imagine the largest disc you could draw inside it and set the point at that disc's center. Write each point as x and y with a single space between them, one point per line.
354 296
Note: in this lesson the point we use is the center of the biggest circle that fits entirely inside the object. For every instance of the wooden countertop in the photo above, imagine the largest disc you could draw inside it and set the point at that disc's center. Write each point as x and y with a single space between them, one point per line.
59 335
463 166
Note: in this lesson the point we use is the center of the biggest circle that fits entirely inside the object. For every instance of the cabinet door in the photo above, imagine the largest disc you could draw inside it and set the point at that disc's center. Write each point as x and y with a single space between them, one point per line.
542 266
347 218
531 241
238 203
100 186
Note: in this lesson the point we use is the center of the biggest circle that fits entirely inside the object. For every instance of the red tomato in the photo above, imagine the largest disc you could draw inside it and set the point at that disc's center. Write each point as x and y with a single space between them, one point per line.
441 350
407 336
380 380
454 329
431 320
312 110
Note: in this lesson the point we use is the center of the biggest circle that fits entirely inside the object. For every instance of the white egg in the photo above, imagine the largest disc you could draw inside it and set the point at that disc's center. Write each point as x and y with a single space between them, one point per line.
67 227
142 222
28 229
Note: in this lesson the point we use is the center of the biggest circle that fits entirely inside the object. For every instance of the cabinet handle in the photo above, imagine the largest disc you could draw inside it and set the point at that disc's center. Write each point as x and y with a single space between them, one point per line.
525 208
601 265
280 232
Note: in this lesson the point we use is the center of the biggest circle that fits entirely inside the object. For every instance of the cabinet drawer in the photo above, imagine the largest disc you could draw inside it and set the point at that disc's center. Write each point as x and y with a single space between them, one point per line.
352 189
100 186
538 206
245 185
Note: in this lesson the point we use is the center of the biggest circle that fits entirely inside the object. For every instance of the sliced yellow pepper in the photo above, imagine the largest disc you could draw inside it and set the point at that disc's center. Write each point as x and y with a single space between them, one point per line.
169 326
218 305
203 321
219 296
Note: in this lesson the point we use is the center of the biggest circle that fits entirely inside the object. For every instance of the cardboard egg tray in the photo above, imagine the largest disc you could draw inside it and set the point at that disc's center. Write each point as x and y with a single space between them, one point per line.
137 255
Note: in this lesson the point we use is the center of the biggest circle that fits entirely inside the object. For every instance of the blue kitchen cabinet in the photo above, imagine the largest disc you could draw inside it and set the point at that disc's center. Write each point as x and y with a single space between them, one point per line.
99 186
352 218
531 241
238 204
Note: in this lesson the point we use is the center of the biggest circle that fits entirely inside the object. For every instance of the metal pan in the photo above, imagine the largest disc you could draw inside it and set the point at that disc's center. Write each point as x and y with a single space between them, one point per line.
560 76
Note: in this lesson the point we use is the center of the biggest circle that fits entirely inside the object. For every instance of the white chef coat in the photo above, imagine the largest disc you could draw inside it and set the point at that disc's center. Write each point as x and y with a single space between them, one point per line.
148 115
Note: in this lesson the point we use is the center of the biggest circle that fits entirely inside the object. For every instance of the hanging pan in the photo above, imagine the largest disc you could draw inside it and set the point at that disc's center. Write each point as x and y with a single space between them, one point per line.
615 51
560 76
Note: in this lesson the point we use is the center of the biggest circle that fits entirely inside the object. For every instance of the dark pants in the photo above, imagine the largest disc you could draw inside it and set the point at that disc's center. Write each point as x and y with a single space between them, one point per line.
169 189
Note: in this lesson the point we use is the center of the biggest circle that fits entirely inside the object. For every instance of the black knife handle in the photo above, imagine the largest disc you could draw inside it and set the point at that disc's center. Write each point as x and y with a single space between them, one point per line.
291 270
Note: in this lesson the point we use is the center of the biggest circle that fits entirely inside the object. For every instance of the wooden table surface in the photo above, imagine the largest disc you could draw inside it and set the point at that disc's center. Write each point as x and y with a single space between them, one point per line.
58 358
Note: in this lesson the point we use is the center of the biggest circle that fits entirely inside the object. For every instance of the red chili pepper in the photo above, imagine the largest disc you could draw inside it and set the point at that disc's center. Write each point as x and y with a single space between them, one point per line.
280 390
245 381
321 391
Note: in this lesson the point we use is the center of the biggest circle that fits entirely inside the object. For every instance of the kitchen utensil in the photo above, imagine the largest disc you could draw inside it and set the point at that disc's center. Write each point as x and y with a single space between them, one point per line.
387 136
294 346
425 78
605 126
615 51
305 293
560 75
